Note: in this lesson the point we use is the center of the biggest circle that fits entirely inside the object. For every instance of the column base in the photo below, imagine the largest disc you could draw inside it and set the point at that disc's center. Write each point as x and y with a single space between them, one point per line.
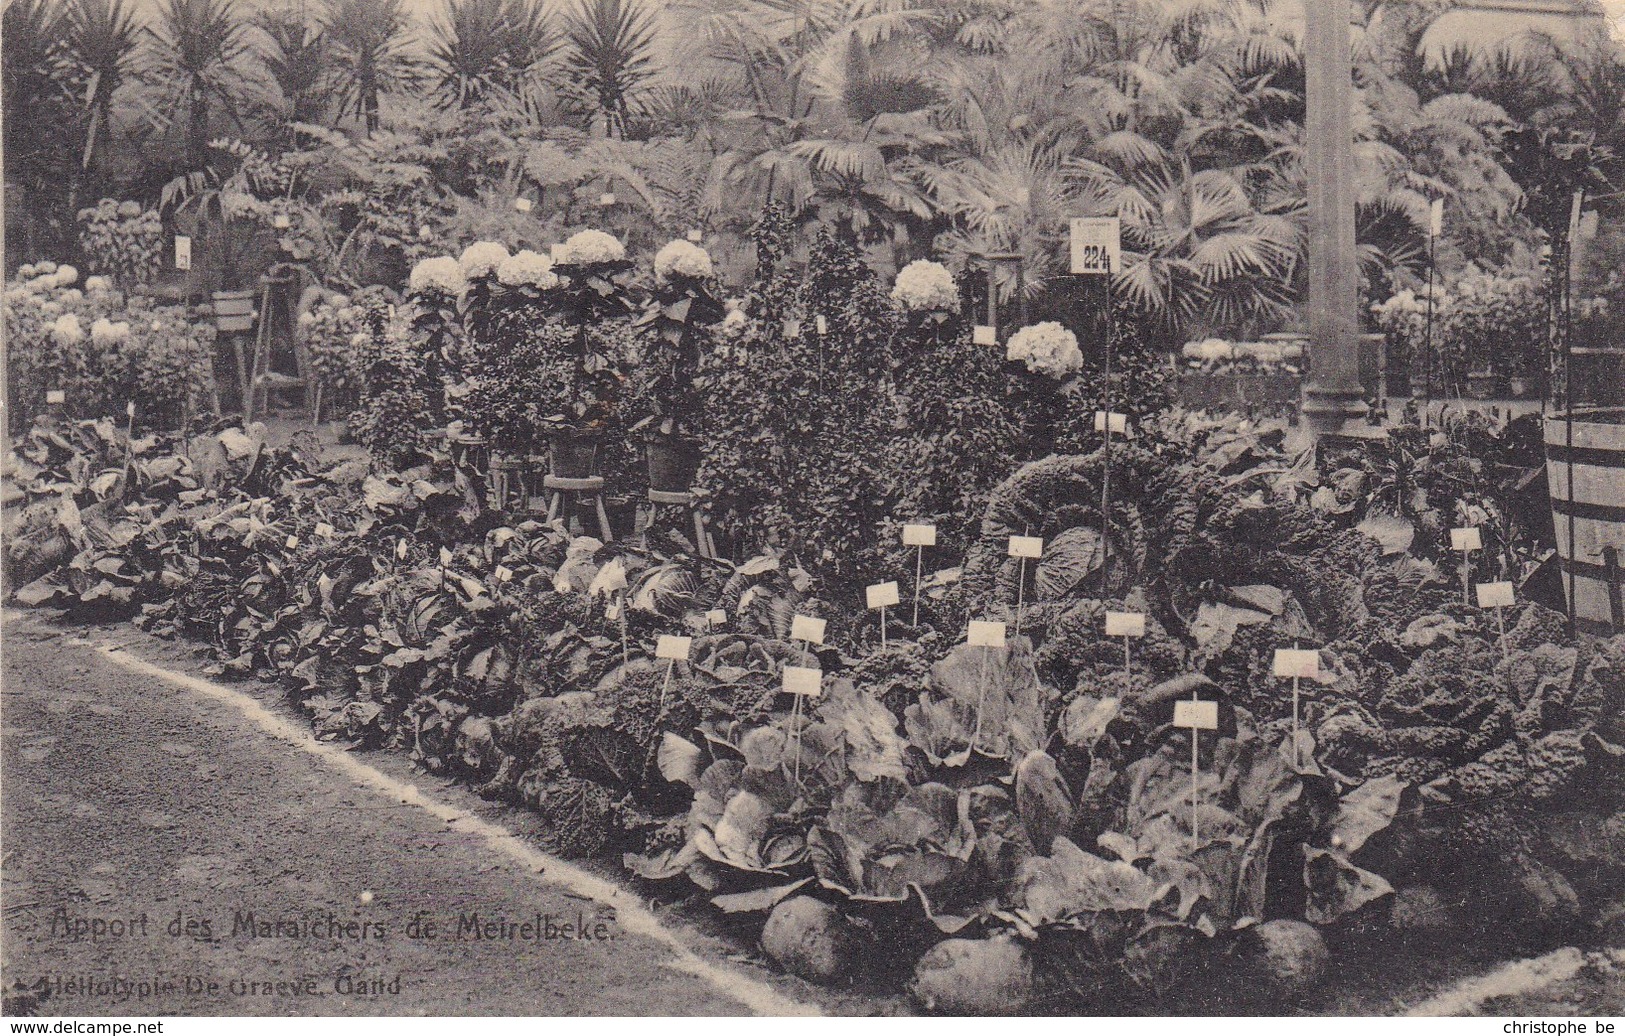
1338 413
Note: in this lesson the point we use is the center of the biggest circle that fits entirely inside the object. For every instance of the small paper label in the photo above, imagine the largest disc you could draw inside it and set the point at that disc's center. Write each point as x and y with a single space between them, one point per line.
696 236
808 629
324 530
1466 539
919 535
556 253
1119 422
802 680
183 252
55 397
400 549
1197 715
985 634
984 334
673 647
445 556
129 409
1291 662
821 324
882 595
522 204
504 574
1494 595
1125 624
716 617
292 543
792 329
1026 546
1436 217
607 199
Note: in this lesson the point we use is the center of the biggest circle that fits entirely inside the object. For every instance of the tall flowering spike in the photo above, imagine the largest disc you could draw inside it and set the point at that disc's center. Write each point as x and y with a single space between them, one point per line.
442 274
591 246
925 286
1046 348
482 258
526 268
682 259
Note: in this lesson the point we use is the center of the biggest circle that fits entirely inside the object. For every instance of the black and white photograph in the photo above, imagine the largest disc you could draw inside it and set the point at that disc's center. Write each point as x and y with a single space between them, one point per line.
1070 509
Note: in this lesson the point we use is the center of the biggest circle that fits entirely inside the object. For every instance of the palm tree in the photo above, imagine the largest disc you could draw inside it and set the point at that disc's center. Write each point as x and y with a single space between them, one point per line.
479 49
300 61
41 89
610 52
103 39
370 45
201 54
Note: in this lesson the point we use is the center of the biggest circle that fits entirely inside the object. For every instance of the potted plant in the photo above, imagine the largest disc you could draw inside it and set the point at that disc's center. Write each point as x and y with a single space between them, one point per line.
675 321
591 266
1051 358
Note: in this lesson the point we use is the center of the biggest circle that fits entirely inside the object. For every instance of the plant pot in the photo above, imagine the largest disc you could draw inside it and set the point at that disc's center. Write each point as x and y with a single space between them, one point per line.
573 455
1483 385
672 463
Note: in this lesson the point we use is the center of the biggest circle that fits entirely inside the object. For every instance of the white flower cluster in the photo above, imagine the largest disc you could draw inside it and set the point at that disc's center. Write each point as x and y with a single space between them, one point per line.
526 268
682 259
590 246
482 258
440 274
1046 348
924 285
106 332
66 330
734 323
96 285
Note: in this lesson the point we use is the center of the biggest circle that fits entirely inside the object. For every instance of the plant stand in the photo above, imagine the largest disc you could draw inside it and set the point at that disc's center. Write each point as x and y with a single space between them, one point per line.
510 480
703 541
588 490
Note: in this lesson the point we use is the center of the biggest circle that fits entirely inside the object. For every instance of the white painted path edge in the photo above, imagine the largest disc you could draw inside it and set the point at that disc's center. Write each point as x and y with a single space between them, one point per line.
753 994
1514 978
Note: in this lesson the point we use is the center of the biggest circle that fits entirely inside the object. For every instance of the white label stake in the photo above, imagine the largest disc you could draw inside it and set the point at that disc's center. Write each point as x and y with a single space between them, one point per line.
1498 596
1296 664
987 636
882 596
1196 716
1023 547
803 682
672 649
1127 625
919 537
1466 540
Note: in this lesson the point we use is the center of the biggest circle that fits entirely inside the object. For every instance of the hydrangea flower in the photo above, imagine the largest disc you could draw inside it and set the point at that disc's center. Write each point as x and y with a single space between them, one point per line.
70 296
1046 348
27 272
924 285
66 330
98 284
66 275
482 258
440 274
682 259
129 209
591 246
44 266
106 332
526 268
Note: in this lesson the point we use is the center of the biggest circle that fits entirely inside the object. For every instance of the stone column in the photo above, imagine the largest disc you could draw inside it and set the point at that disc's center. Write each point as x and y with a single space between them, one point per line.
1334 399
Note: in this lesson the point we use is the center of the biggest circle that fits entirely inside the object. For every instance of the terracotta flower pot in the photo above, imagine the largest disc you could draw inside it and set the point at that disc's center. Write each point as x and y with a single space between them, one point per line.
573 455
672 463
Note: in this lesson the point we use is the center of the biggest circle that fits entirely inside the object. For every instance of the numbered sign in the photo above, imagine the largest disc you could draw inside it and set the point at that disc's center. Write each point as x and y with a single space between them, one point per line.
55 397
984 334
292 542
804 681
1197 715
1118 422
522 204
504 574
716 617
792 329
324 530
1466 539
696 236
808 629
1097 246
985 634
882 595
445 556
1125 624
1026 546
672 647
821 324
183 252
1290 662
1495 595
919 535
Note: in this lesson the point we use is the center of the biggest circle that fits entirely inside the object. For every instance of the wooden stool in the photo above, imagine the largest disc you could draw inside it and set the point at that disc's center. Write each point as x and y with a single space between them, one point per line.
590 487
702 535
508 482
